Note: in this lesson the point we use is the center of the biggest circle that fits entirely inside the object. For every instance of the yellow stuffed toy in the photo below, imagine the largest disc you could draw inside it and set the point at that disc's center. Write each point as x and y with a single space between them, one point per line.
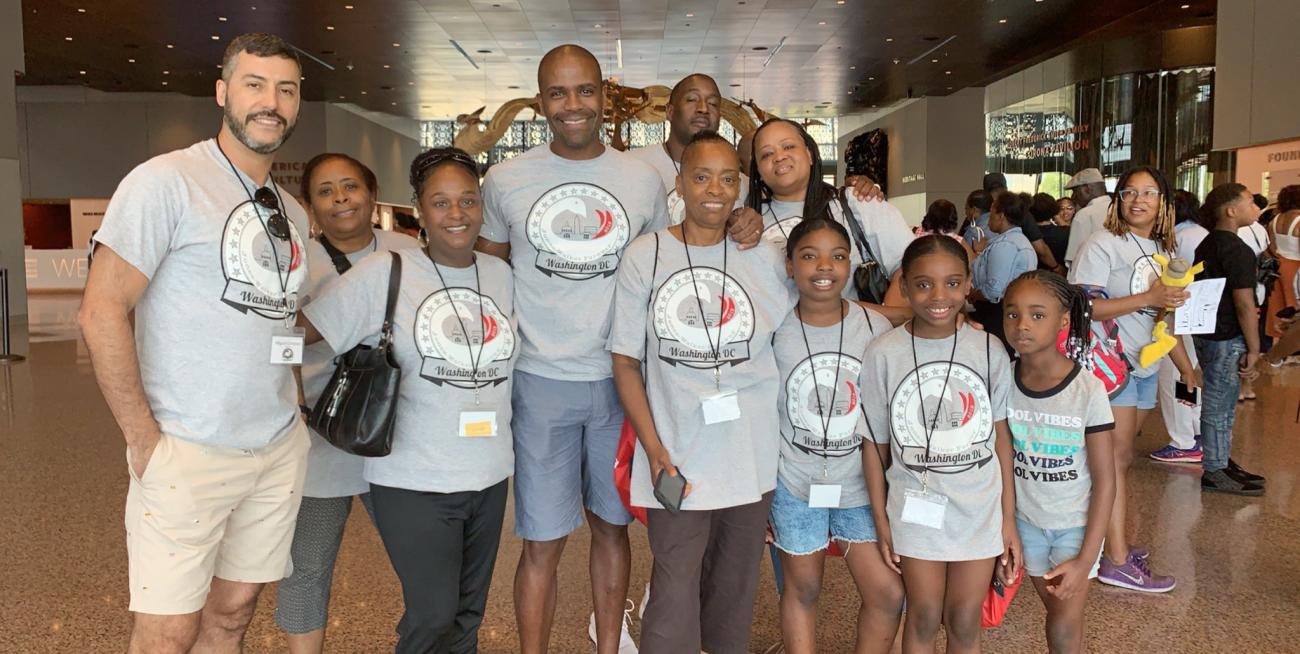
1175 274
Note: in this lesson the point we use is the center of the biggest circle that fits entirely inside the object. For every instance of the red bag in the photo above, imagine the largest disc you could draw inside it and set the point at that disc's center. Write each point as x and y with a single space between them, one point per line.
998 599
623 470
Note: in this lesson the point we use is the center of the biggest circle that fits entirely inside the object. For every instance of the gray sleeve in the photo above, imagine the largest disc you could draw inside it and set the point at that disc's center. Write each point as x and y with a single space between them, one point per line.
496 225
659 215
875 393
1099 416
350 309
143 216
627 336
1092 268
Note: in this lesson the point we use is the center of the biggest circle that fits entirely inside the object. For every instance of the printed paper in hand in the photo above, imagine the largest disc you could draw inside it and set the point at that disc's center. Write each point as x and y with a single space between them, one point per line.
1199 314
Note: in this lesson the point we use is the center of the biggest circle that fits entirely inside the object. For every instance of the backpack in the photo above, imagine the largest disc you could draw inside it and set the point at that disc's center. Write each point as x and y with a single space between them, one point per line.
1105 358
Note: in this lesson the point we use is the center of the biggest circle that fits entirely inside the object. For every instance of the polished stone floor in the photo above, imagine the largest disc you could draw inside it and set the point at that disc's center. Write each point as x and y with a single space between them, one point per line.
63 559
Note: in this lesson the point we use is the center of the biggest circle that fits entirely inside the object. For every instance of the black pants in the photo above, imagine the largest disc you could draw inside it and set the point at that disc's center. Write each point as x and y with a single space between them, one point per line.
443 547
705 578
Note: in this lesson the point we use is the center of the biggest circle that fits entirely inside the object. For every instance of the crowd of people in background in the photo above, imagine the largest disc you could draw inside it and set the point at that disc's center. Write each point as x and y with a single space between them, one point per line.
773 351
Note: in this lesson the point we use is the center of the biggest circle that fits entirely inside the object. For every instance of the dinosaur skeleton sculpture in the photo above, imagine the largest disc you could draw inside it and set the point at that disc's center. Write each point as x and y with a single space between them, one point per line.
622 104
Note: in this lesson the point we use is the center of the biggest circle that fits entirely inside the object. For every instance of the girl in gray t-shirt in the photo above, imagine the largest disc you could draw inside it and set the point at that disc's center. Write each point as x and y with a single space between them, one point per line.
821 494
937 394
1061 427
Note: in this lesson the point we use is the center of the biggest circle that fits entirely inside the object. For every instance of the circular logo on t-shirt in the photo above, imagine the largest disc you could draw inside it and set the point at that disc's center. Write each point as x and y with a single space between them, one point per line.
579 231
690 337
1145 271
450 354
676 207
778 232
815 390
963 423
262 272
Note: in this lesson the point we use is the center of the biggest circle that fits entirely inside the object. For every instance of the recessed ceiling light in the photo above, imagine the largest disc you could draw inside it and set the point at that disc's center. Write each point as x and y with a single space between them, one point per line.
329 27
947 72
164 83
82 72
386 66
889 40
363 93
216 38
839 2
1185 7
67 38
130 61
853 67
80 10
1002 21
343 97
170 46
218 65
347 6
821 22
597 25
871 79
410 83
221 18
690 15
394 104
167 72
934 61
396 44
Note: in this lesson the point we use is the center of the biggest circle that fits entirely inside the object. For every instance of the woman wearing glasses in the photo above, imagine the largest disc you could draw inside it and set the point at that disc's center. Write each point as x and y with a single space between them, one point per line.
439 497
340 193
1117 267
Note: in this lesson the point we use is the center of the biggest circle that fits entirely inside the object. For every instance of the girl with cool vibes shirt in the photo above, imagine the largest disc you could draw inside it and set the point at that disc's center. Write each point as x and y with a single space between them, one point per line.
700 314
936 405
440 495
1116 263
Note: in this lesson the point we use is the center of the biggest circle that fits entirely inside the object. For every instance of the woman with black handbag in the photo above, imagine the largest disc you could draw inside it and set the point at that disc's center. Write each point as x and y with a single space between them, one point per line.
786 186
440 494
340 193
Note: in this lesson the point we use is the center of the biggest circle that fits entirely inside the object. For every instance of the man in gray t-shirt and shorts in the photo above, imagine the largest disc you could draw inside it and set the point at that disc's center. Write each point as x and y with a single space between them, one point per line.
201 249
562 214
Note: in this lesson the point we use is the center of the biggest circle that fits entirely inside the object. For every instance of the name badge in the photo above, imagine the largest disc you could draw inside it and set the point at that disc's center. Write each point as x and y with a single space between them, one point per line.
924 508
287 345
824 496
478 424
723 406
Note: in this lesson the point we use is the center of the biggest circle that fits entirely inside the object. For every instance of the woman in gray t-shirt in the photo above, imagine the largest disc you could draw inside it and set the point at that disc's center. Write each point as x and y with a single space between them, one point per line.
439 496
700 313
821 494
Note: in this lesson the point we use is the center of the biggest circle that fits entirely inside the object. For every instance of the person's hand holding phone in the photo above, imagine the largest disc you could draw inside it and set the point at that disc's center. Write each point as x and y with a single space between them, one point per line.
670 487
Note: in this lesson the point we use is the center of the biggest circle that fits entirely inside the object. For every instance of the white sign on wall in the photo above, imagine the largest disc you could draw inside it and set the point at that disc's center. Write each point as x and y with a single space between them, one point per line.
56 270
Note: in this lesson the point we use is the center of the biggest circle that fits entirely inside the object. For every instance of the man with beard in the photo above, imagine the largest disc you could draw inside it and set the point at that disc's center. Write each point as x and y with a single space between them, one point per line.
201 245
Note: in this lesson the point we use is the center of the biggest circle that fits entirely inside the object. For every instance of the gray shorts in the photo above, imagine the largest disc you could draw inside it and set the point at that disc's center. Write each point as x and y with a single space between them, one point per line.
566 435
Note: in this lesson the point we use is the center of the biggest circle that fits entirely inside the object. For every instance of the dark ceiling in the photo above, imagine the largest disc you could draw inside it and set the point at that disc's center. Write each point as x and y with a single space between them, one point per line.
398 56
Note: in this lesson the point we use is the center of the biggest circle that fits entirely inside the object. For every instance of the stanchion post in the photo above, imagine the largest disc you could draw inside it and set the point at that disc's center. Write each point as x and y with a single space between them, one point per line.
6 356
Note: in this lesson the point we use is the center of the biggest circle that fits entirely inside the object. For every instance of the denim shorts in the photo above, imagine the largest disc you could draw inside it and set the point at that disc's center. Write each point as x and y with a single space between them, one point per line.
1045 549
800 529
1140 392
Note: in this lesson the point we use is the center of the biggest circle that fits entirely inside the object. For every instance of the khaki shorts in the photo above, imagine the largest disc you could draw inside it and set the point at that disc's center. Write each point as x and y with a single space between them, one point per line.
201 511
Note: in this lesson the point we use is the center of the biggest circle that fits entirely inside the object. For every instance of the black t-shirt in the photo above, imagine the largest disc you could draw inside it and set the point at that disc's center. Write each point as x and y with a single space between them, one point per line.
1226 255
1057 238
1031 231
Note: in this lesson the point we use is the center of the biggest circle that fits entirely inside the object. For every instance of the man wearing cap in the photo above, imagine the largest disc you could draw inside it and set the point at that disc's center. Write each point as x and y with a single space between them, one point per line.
1088 190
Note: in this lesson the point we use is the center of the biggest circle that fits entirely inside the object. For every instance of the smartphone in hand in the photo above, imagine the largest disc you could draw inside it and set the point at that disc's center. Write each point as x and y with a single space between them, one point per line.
1186 395
670 490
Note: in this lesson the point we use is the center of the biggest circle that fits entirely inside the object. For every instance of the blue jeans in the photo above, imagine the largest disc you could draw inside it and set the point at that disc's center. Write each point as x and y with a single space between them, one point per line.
1218 397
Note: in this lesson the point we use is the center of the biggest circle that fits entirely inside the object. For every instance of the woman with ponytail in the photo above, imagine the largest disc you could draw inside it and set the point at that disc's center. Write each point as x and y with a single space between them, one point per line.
1061 425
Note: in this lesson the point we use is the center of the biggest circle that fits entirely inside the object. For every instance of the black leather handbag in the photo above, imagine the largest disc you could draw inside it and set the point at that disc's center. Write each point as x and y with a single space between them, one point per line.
869 279
355 412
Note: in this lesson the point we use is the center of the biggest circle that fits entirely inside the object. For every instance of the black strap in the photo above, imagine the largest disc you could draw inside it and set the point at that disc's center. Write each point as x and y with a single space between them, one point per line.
867 315
859 238
340 260
988 365
394 283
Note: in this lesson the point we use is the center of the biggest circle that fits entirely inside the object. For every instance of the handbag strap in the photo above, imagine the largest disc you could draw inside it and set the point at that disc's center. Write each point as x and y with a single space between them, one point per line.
859 238
394 284
341 263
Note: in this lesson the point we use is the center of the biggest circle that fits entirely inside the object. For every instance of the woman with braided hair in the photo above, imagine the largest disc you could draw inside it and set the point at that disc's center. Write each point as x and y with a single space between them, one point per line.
1061 425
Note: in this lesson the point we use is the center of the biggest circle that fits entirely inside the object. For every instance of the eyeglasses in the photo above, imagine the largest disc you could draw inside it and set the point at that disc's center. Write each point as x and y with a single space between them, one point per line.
277 224
1129 195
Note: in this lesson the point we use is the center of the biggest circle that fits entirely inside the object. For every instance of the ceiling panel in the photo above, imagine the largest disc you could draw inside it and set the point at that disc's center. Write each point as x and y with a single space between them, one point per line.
838 52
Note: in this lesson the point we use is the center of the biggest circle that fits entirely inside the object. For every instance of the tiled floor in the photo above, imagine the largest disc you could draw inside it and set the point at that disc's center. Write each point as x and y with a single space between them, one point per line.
63 560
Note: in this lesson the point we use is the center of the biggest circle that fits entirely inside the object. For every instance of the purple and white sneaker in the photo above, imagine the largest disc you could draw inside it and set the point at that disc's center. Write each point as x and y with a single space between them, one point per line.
1134 575
1171 454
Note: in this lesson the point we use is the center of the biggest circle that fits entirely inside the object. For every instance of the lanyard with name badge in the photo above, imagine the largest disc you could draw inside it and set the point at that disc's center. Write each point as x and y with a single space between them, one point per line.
723 405
923 507
474 422
287 340
824 495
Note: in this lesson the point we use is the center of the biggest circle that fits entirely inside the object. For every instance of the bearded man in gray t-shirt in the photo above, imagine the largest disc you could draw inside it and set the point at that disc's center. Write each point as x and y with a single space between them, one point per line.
201 247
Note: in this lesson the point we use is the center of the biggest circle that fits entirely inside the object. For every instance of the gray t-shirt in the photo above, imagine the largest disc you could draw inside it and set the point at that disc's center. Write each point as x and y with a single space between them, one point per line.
219 285
657 156
1048 430
430 345
1122 266
567 223
730 463
331 472
962 463
886 231
831 373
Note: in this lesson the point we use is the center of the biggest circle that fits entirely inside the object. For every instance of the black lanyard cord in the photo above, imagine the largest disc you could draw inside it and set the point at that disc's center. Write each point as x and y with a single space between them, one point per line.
715 350
469 339
920 396
282 279
824 416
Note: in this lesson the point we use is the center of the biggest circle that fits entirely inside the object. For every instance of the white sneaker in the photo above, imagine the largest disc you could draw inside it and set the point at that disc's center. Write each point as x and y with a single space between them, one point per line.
625 643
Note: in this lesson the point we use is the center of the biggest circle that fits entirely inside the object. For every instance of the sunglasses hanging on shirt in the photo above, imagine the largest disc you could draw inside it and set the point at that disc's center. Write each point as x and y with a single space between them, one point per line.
277 224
